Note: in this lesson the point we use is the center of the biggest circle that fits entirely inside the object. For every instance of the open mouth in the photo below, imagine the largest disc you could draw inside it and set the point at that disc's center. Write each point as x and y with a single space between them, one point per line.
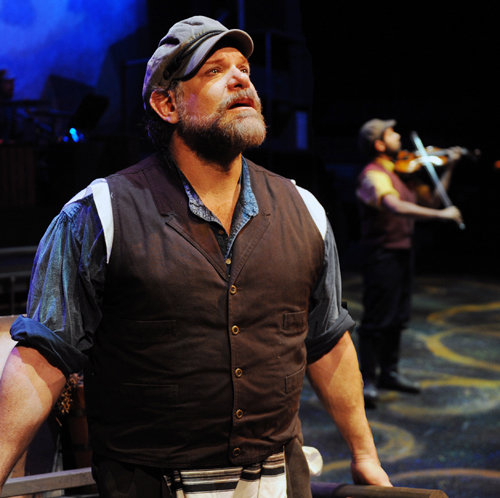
245 103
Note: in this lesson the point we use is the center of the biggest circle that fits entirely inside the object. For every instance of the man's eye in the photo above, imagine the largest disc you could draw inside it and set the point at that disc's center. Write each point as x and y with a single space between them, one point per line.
213 71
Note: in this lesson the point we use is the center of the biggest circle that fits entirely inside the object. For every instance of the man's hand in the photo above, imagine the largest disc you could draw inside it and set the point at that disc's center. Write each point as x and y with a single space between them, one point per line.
369 472
454 154
451 213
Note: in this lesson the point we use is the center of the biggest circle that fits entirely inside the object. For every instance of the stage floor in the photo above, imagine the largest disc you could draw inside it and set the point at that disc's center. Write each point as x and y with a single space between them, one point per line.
447 437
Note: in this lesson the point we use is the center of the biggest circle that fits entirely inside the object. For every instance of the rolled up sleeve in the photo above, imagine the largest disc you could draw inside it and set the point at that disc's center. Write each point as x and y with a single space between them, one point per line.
67 282
328 320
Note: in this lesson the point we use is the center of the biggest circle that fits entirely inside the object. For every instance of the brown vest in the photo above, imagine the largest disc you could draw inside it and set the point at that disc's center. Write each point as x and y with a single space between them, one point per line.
192 367
383 228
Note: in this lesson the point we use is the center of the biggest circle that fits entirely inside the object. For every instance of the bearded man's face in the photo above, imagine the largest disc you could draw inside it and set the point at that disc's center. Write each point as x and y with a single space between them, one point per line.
219 110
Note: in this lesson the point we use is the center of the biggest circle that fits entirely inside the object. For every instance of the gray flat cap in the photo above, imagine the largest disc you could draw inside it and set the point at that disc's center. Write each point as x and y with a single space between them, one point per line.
373 130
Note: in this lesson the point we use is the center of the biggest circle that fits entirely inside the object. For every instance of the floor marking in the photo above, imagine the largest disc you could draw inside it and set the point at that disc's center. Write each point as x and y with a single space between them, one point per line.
440 317
435 345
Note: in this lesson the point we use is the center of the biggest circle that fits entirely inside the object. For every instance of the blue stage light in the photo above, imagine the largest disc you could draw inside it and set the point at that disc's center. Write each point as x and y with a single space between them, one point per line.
74 135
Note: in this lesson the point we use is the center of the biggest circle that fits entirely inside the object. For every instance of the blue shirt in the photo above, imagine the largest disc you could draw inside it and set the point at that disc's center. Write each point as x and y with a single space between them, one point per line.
69 273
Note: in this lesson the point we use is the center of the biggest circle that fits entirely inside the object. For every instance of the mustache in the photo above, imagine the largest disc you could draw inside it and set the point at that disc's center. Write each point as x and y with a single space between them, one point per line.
249 93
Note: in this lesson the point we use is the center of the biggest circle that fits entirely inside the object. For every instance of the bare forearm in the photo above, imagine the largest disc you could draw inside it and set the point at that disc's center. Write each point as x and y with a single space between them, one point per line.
342 396
404 208
29 387
337 382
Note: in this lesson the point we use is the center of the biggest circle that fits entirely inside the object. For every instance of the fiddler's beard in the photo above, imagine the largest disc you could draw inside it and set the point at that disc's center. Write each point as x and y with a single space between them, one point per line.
223 134
392 151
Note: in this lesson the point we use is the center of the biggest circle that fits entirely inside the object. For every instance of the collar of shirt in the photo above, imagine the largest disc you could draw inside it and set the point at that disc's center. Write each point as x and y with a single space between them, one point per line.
385 163
245 209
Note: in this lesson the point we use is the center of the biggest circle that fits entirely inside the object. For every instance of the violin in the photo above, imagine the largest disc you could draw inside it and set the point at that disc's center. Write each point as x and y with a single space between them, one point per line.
427 162
410 162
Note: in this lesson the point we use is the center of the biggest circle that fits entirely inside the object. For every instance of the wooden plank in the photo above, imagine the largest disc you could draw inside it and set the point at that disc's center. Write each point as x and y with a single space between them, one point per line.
47 482
332 490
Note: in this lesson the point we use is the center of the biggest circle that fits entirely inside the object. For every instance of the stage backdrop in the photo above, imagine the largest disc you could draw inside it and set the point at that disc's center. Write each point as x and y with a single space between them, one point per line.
82 42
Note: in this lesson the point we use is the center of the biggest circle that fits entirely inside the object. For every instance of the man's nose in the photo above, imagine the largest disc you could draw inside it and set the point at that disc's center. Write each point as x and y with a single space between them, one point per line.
238 79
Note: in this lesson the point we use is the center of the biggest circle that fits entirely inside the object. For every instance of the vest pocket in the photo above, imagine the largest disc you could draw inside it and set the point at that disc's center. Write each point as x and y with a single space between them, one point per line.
293 383
295 323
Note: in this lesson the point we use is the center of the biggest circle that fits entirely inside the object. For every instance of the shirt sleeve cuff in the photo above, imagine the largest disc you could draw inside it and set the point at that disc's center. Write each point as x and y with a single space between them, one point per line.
328 340
32 334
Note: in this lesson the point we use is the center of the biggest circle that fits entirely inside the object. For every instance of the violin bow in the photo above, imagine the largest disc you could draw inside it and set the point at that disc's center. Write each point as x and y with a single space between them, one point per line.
432 172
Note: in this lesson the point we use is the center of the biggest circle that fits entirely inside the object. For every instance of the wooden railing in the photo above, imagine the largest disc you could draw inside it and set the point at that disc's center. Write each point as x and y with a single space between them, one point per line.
333 490
67 479
64 479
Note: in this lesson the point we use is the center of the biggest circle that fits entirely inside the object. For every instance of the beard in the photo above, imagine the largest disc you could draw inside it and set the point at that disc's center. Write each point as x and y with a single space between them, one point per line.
221 135
392 152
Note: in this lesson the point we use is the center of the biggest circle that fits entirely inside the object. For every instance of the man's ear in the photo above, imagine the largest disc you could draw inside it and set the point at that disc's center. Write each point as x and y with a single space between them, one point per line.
164 106
379 145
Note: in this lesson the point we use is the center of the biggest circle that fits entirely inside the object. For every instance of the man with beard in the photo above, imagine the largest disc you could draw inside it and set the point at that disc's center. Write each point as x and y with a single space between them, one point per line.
195 289
388 210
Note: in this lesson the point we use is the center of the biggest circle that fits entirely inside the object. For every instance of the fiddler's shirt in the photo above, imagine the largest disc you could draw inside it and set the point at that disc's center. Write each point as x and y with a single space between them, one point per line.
194 341
380 227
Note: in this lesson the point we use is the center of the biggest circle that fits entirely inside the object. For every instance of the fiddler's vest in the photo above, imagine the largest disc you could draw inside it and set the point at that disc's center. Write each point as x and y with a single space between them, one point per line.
381 228
192 367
